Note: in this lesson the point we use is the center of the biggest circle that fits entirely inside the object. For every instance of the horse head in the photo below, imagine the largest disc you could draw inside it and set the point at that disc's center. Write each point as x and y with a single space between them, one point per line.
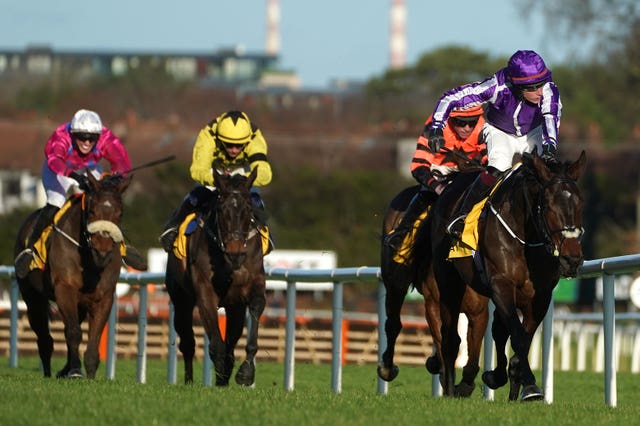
102 216
234 215
561 205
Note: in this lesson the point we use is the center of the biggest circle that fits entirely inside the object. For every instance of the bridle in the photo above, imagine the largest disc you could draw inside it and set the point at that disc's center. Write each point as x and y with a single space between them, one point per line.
233 207
539 209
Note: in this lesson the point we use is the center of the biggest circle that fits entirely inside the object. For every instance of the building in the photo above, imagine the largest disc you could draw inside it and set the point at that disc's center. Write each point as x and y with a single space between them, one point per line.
232 66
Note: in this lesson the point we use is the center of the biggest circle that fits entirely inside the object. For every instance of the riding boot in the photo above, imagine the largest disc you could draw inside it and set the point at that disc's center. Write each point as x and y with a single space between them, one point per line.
479 189
170 231
133 258
24 258
261 216
416 207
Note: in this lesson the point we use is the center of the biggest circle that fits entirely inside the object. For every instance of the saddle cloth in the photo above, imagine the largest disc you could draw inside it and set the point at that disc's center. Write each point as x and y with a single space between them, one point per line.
187 227
40 246
403 254
469 240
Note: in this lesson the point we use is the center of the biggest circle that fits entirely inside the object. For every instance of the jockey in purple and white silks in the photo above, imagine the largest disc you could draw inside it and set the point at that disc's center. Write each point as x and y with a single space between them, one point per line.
523 110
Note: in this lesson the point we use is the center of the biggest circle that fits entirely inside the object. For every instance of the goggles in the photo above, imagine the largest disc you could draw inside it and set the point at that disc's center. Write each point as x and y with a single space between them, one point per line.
532 87
462 123
91 137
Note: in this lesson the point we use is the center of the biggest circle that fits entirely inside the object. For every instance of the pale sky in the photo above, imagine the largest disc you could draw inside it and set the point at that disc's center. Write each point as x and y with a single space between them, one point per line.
320 40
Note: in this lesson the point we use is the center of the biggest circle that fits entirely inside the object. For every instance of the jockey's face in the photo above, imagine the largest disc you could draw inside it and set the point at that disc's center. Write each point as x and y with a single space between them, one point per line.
463 128
233 149
85 142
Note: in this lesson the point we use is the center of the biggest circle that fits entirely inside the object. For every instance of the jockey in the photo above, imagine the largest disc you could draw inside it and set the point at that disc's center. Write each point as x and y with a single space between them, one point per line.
74 148
523 114
462 132
230 143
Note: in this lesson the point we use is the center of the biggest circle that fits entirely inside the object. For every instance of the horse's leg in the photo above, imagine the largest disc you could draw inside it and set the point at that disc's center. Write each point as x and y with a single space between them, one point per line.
395 294
498 377
207 305
38 315
430 294
246 373
97 321
532 315
451 293
67 302
476 311
183 305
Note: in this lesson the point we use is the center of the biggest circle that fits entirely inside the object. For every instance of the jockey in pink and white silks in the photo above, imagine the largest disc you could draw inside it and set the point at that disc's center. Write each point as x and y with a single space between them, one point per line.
74 148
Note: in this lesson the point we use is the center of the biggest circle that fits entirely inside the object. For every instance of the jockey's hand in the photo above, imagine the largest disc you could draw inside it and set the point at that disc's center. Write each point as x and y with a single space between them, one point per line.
81 178
436 140
549 154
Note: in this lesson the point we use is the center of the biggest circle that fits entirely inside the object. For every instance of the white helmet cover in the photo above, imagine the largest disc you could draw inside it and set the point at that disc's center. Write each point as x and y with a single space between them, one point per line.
85 121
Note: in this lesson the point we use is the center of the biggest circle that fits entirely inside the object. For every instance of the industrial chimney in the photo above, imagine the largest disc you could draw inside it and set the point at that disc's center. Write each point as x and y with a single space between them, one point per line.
398 36
273 28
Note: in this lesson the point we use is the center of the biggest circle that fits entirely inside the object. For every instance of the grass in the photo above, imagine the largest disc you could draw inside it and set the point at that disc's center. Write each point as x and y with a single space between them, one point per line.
29 399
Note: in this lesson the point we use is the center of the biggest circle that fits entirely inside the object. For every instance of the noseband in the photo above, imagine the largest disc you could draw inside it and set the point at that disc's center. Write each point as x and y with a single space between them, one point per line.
542 227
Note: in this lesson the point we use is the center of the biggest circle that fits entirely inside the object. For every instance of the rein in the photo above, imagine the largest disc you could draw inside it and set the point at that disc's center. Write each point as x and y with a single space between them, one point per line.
541 225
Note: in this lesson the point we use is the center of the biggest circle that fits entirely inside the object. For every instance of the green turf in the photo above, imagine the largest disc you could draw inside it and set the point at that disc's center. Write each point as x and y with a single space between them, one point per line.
26 398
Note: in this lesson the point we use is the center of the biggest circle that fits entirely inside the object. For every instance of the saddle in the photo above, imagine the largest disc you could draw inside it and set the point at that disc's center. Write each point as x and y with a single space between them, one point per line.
40 246
189 225
468 242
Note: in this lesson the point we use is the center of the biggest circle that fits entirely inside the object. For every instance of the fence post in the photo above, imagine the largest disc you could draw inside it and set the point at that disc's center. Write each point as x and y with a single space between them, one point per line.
141 365
488 351
547 354
608 323
336 358
172 375
110 369
13 331
290 338
383 387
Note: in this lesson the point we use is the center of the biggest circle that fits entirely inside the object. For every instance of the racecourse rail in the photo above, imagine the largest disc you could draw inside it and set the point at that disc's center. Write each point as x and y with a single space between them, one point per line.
608 268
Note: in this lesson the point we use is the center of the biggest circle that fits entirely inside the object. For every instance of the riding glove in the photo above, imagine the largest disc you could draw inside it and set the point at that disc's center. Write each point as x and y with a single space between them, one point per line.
436 140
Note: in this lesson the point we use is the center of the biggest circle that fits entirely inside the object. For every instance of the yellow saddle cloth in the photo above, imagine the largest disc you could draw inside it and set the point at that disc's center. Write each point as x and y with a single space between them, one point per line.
180 243
469 240
403 255
40 246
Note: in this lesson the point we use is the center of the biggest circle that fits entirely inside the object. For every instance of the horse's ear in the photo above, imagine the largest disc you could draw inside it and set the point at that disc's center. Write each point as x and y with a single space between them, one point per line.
575 170
541 167
93 181
124 183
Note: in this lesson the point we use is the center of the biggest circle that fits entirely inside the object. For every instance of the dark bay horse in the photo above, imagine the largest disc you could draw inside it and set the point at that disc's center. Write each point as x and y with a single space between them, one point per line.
528 237
80 275
417 271
223 269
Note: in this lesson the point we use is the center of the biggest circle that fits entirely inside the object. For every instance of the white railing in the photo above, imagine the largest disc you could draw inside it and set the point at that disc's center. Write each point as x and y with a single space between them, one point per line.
608 268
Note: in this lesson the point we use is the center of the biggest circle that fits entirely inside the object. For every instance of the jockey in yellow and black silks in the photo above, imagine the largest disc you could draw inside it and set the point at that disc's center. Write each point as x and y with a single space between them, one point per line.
230 143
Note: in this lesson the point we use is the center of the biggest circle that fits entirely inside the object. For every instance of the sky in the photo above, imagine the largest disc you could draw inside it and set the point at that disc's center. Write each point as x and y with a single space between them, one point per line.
320 40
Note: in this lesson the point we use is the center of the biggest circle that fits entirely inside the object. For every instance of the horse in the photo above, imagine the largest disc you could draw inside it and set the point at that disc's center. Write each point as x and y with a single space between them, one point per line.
80 273
528 236
223 268
397 277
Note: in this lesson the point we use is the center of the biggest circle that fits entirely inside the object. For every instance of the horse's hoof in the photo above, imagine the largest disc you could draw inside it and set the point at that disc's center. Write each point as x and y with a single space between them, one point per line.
75 373
464 390
246 374
493 380
432 364
531 393
388 374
